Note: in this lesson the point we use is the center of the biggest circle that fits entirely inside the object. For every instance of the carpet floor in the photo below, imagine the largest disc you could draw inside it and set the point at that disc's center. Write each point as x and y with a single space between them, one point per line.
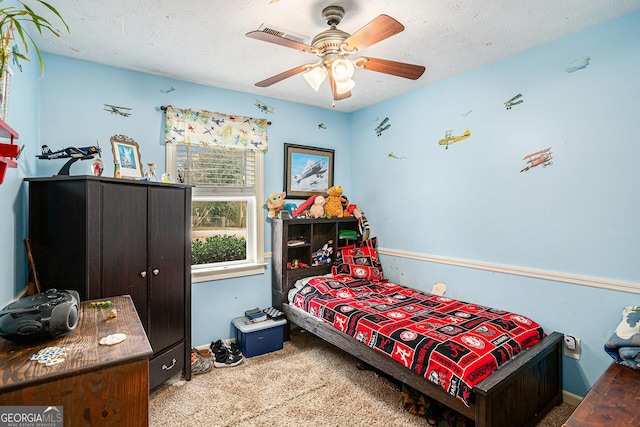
307 383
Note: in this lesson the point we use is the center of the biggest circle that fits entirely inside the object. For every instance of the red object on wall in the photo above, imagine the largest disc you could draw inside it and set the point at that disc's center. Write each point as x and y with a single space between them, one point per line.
8 152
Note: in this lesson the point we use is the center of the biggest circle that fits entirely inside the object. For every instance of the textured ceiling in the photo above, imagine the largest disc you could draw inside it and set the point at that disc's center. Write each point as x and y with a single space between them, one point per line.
203 41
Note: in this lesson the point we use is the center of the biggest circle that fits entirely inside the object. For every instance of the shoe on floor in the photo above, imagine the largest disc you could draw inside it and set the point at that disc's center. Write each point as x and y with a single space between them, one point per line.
233 348
221 345
200 364
215 346
226 355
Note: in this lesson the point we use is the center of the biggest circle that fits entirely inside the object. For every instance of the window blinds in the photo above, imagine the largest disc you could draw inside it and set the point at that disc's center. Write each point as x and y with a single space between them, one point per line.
210 166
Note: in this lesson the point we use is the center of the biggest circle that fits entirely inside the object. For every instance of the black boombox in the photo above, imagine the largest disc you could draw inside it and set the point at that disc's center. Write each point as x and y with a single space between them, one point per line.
48 315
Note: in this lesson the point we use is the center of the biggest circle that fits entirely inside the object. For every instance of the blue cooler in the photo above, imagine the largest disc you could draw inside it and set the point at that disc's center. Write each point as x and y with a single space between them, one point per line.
258 338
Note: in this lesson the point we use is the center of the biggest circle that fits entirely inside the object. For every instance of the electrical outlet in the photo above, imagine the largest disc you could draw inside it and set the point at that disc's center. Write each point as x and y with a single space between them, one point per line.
572 347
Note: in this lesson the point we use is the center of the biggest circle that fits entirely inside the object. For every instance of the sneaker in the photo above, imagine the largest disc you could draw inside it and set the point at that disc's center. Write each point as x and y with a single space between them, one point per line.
199 364
233 347
221 345
226 355
216 346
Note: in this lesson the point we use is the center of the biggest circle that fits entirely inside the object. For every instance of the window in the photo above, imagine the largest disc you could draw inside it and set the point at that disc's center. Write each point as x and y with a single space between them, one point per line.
227 228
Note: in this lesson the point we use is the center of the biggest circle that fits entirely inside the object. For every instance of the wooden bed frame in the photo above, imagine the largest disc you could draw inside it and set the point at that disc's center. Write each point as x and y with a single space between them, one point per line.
520 393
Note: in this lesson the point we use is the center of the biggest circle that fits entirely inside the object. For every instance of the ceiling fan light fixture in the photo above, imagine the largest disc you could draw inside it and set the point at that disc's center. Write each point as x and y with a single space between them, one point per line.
315 77
344 87
342 70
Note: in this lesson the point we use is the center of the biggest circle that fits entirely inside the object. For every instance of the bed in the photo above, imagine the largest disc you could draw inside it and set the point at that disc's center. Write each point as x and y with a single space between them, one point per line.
495 367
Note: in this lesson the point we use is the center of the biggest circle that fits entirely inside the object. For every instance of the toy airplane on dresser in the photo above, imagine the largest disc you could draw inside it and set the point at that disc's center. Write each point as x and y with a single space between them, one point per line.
72 153
69 152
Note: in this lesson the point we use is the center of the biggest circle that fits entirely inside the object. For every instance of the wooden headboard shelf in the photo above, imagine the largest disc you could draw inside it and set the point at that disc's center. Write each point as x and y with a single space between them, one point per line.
315 233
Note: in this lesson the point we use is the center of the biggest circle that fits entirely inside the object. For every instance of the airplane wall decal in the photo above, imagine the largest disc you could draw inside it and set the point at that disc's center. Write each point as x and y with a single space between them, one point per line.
452 139
264 107
120 111
381 127
514 101
542 157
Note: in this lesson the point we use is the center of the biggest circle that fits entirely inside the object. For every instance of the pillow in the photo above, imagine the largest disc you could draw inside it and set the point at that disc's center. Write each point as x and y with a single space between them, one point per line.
359 261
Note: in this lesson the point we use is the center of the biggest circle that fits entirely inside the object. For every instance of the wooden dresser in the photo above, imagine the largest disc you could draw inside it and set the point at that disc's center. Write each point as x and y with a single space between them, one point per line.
614 400
96 384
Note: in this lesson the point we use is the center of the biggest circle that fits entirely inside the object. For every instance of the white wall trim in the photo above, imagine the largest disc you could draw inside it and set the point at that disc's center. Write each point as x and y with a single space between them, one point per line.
596 282
570 398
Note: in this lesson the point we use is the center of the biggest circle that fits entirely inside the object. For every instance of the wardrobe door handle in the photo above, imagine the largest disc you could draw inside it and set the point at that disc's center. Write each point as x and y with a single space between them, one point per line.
155 271
143 274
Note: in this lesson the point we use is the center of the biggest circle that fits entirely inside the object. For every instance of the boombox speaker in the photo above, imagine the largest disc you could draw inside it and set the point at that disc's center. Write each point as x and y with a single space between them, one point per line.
48 315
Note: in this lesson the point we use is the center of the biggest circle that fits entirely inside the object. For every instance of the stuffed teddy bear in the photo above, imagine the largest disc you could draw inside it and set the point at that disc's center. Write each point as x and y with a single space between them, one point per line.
317 209
332 203
275 202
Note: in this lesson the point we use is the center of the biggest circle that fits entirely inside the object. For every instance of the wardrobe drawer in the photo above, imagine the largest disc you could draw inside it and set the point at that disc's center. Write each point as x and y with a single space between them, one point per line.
165 365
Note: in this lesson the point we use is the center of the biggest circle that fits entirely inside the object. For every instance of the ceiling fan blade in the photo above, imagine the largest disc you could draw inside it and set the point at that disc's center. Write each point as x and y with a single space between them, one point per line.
275 36
285 74
400 69
377 30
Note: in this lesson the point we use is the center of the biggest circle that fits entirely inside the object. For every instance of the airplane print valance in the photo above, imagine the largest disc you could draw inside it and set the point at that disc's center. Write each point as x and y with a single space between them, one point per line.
203 127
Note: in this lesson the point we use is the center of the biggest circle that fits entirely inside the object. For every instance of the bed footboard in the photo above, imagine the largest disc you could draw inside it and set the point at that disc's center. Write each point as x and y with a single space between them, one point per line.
523 390
520 393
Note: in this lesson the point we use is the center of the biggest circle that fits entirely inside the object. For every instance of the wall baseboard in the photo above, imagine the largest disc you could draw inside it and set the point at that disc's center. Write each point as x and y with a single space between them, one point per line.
596 282
570 398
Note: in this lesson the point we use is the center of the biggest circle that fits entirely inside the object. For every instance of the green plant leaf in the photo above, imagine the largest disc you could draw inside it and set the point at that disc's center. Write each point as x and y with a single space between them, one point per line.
12 21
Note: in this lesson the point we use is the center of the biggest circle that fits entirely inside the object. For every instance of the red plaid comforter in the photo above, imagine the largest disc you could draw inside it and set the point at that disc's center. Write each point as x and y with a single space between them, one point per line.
452 343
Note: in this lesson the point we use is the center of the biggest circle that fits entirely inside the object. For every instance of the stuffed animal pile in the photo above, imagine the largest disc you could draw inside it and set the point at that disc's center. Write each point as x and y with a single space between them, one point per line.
335 205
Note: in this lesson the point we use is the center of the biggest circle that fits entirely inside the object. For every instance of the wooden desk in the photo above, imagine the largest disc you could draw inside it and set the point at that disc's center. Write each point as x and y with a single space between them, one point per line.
97 384
614 400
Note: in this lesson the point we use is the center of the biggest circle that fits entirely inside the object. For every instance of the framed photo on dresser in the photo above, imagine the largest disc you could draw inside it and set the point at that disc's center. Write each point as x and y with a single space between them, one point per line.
126 153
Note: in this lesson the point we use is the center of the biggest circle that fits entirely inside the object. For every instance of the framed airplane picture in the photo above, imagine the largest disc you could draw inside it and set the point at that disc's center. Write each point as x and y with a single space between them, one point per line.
126 153
308 171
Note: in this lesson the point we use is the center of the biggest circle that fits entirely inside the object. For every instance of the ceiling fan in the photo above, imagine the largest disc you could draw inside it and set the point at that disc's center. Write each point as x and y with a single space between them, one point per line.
333 46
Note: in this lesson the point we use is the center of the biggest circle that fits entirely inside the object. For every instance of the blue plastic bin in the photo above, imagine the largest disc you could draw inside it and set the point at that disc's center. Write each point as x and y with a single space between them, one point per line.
258 338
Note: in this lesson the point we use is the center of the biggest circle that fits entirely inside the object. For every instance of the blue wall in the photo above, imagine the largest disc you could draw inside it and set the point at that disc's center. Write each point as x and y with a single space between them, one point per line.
22 116
73 95
577 216
468 202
